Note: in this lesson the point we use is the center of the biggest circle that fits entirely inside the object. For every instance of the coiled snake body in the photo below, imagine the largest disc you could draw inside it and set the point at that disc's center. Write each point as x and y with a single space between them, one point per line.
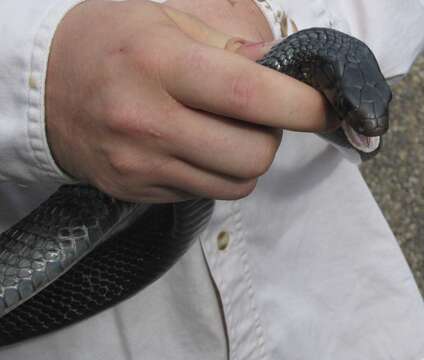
82 251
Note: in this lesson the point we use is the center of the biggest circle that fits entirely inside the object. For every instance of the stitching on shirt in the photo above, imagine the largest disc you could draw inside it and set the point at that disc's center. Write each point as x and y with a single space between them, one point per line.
34 98
260 341
38 67
122 336
246 269
266 4
232 326
205 244
294 26
272 15
228 315
284 25
280 19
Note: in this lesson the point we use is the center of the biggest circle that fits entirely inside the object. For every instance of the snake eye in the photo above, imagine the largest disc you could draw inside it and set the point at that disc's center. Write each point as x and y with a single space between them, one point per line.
349 99
347 105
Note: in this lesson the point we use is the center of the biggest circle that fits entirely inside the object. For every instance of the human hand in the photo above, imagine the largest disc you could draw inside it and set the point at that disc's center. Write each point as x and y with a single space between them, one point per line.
150 104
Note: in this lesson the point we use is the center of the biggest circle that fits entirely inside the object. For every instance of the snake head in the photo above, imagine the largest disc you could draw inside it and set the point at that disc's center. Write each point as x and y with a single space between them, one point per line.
365 122
366 96
366 115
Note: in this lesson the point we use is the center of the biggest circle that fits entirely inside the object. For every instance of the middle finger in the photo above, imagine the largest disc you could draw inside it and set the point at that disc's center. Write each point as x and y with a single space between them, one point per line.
223 145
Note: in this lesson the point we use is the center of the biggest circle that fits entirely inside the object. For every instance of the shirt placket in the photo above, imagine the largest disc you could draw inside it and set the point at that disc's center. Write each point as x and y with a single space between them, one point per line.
225 251
224 242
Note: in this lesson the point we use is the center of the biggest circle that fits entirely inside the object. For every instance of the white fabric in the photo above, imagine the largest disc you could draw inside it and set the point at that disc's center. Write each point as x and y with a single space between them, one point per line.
312 270
391 28
27 30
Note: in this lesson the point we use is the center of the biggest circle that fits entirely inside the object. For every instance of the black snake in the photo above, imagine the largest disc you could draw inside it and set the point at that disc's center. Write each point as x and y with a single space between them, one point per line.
82 251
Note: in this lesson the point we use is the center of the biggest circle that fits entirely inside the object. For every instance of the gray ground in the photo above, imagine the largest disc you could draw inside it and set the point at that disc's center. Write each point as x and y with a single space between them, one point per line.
396 175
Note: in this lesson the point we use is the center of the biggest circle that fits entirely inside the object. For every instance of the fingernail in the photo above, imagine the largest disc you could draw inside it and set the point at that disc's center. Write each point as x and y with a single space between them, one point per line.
249 44
256 50
262 46
269 45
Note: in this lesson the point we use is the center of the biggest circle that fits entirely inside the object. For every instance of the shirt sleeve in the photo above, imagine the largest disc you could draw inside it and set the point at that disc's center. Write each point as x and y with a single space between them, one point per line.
27 28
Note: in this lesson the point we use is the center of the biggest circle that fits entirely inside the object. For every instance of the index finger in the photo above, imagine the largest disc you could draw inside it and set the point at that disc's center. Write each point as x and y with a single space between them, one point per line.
225 83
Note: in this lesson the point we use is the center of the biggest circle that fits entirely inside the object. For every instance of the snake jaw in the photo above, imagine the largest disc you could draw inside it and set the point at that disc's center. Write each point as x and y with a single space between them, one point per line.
365 144
364 133
364 130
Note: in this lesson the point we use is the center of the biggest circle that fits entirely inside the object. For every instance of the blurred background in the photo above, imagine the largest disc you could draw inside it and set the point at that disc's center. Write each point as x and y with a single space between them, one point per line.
396 175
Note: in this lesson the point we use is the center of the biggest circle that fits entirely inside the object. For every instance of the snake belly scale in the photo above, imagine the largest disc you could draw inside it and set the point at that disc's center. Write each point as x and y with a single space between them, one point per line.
82 251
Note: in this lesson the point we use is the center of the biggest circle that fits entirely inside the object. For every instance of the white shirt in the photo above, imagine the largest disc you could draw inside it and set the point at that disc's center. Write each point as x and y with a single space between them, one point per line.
311 269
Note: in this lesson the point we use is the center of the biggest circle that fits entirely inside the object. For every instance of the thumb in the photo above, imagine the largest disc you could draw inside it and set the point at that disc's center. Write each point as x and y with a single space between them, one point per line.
205 34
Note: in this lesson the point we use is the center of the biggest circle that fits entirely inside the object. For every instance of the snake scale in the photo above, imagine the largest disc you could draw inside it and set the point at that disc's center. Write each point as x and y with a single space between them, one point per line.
82 251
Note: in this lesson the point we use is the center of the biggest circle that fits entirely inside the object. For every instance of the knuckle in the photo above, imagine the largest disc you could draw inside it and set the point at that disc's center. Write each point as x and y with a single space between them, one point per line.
243 190
257 168
143 168
121 164
148 128
112 187
263 166
266 154
120 117
261 160
141 123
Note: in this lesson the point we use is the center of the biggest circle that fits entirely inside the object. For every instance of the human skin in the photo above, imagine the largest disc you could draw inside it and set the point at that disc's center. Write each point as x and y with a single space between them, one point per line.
235 17
150 104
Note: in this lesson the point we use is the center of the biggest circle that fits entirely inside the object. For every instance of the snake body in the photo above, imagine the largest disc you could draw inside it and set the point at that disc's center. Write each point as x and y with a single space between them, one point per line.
82 251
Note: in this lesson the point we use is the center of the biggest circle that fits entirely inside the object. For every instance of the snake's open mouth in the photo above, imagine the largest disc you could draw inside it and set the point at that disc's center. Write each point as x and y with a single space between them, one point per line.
366 144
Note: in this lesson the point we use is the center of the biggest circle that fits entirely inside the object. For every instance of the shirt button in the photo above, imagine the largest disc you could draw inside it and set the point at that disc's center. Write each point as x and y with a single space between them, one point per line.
223 240
32 82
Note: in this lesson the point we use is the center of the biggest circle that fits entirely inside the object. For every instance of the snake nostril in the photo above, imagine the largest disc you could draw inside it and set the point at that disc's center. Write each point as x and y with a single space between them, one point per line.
373 127
360 130
370 125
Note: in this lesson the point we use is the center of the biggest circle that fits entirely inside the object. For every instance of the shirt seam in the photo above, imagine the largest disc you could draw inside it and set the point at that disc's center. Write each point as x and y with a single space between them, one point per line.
228 304
36 127
273 17
260 340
